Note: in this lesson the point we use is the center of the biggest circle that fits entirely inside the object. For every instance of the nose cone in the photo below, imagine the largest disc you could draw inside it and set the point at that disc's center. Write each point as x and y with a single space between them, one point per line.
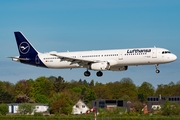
173 57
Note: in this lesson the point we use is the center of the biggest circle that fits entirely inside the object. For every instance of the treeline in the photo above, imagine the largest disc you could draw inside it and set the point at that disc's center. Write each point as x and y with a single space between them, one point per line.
59 93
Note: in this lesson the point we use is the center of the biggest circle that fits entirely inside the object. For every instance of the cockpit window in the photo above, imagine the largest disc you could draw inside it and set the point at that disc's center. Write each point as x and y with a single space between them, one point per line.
166 52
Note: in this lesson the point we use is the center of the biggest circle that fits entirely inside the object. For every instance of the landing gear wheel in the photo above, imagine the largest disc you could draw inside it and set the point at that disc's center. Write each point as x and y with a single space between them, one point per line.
157 71
87 73
99 73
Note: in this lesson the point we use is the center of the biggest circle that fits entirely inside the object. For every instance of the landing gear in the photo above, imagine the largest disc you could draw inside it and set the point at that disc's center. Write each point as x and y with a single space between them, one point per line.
157 71
87 73
99 73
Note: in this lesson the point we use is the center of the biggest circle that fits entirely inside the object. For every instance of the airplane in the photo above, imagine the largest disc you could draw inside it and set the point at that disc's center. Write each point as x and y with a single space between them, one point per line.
97 60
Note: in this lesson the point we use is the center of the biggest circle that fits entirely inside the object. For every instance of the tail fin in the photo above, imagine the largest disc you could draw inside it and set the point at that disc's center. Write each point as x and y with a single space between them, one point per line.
24 46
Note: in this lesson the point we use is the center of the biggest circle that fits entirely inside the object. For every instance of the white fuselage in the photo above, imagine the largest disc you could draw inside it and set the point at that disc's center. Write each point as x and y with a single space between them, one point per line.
119 57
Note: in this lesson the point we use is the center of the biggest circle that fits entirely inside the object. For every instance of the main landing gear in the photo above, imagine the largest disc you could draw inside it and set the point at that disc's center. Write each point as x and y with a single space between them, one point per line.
99 73
87 73
157 71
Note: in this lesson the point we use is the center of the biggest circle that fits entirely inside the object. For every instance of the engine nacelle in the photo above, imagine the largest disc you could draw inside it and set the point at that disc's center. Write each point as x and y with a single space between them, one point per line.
99 66
119 68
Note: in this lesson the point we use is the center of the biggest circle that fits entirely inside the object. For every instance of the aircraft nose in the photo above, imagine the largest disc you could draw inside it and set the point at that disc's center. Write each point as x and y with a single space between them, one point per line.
174 57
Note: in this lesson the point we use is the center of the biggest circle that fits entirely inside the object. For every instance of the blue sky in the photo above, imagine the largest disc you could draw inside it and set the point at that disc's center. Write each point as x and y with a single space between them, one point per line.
76 25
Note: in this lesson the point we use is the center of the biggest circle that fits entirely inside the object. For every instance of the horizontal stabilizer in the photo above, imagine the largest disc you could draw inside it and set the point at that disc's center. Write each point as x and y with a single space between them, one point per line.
17 58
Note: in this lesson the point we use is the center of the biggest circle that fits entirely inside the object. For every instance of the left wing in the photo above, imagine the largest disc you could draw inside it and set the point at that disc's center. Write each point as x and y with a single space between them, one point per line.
81 62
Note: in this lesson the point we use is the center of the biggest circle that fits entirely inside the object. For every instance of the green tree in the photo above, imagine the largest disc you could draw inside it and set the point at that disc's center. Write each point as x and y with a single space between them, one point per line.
3 109
41 98
170 109
7 86
43 86
59 84
128 88
2 86
80 82
165 89
22 91
26 108
84 93
61 103
176 90
114 89
125 97
122 88
146 89
22 87
5 92
102 91
32 90
91 84
5 97
52 78
85 83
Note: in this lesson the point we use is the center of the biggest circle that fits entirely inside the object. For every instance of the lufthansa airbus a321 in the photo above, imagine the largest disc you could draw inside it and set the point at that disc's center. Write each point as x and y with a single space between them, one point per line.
99 60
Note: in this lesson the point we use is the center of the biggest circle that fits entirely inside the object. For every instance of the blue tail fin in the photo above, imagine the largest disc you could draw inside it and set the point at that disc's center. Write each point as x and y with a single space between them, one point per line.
24 46
28 54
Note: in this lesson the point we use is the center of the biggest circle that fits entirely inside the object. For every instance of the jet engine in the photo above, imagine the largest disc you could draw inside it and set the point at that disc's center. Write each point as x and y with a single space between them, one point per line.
99 66
119 68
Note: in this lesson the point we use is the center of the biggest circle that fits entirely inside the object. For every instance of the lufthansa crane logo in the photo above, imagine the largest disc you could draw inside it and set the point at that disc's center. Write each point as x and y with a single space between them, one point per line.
24 47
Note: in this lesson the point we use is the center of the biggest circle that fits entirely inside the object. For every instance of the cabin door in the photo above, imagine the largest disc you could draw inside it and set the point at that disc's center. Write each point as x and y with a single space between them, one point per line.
154 53
121 56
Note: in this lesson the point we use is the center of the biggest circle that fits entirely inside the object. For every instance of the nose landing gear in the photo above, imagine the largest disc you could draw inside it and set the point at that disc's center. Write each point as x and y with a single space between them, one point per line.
157 70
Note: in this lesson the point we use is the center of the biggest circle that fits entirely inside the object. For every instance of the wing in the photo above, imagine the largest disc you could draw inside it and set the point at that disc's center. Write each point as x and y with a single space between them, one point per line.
81 62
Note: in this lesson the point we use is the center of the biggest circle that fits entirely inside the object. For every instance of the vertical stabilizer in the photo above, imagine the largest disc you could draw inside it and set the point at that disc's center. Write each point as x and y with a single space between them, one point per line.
24 46
28 54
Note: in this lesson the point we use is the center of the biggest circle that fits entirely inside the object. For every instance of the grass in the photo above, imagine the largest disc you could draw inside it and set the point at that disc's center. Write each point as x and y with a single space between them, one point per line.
85 117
